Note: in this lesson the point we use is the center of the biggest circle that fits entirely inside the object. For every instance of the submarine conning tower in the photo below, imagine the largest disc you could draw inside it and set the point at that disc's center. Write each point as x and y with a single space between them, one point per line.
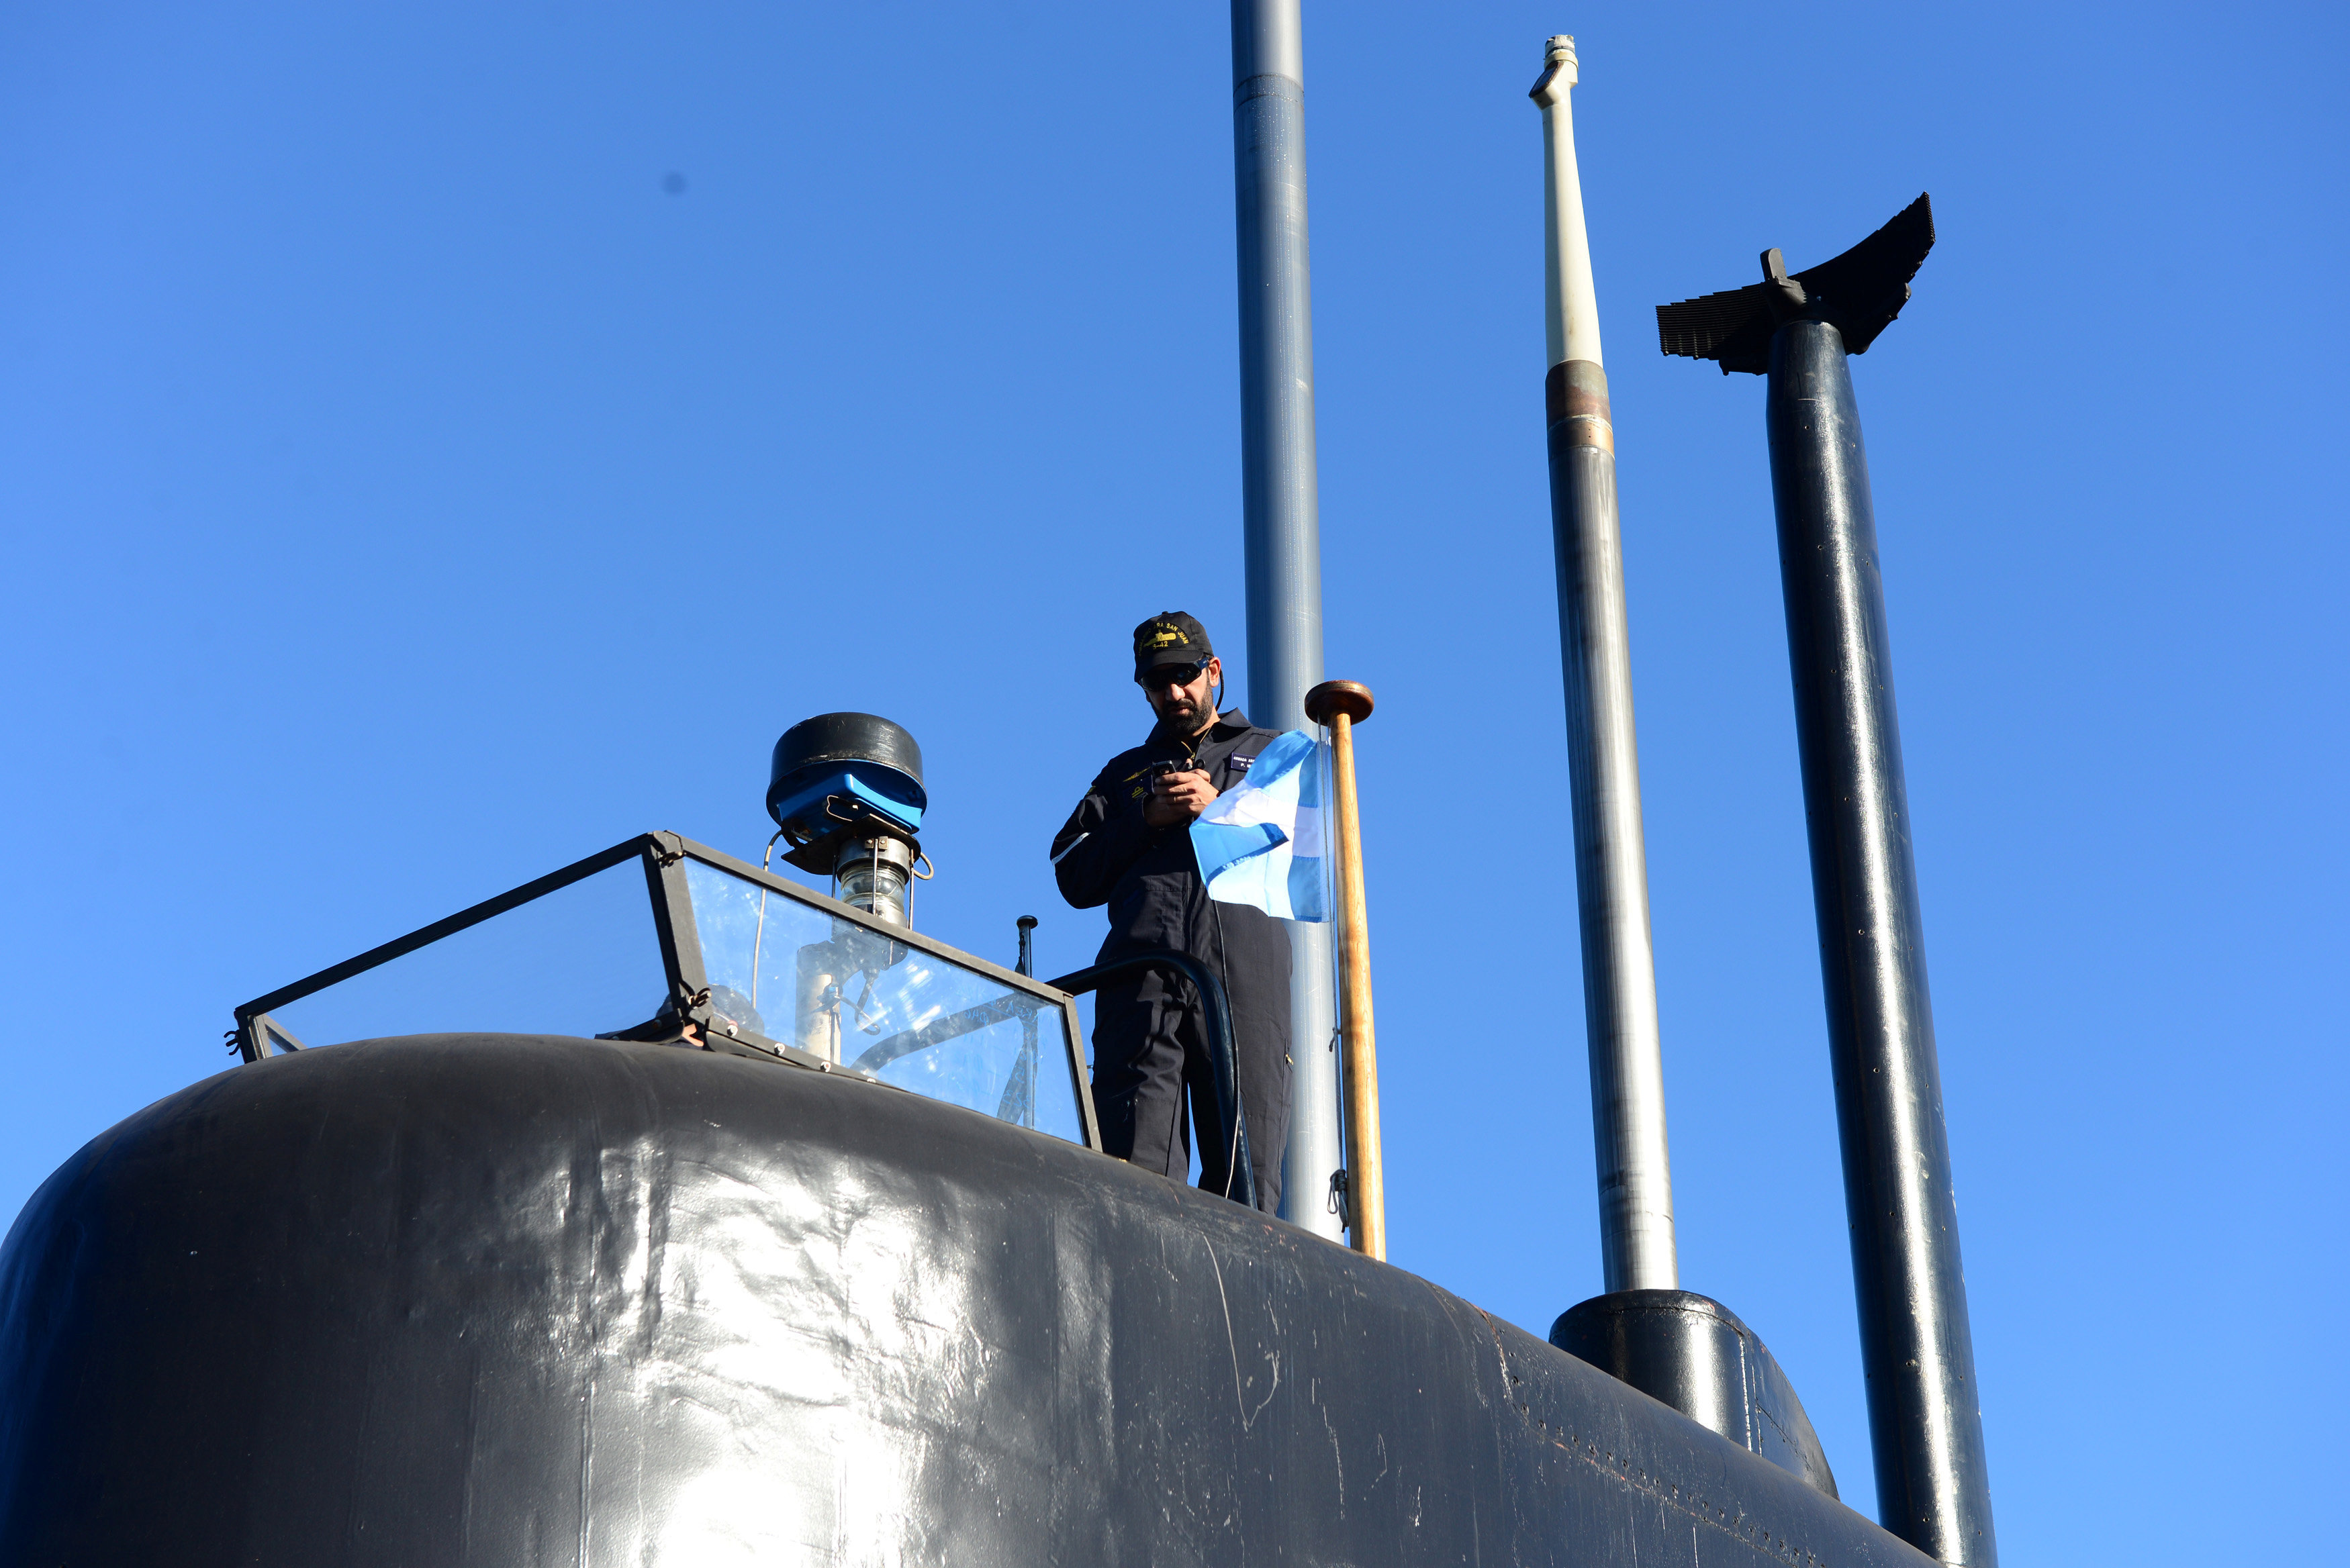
509 1299
669 1210
819 1263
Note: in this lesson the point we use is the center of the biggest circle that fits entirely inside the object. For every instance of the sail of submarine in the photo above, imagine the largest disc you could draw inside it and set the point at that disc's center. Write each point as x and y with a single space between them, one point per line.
462 1264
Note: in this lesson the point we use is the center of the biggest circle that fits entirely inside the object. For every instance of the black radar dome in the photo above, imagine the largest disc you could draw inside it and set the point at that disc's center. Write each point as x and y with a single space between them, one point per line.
865 745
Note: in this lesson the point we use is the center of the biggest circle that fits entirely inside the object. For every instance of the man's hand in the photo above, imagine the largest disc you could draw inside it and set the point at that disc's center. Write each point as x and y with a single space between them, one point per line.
1179 798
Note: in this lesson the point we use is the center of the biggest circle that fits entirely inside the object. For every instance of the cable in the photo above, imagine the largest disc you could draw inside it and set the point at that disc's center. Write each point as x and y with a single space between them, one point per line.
766 863
1224 973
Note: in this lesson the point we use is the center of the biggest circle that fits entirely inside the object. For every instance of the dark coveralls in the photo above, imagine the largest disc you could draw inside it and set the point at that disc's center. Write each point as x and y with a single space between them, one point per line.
1149 1042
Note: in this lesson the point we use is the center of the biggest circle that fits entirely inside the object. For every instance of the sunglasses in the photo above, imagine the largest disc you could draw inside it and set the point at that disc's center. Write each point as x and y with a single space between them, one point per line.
1161 676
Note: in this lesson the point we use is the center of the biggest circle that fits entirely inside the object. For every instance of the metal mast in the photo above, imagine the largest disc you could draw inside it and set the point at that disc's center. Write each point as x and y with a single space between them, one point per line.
1925 1416
1280 522
1619 976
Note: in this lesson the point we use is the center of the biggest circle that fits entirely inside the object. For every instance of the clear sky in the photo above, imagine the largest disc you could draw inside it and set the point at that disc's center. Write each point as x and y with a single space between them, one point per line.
439 440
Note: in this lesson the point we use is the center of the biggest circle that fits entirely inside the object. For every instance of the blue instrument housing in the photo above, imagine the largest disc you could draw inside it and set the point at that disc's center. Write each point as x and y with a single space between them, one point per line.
883 791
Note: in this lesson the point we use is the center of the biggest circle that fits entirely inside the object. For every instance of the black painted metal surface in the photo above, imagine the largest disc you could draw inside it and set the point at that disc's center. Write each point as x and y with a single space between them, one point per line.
1925 1414
838 738
507 1300
1858 293
1695 1354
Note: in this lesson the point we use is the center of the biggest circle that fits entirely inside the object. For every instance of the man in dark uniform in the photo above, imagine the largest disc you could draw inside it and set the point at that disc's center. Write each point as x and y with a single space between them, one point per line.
1129 845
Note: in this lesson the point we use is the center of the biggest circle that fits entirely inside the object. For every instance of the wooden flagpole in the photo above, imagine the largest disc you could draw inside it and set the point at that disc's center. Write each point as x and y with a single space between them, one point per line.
1340 705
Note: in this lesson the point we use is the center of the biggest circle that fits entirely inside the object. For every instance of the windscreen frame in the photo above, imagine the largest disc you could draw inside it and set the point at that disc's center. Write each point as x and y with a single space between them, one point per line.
1072 1033
663 855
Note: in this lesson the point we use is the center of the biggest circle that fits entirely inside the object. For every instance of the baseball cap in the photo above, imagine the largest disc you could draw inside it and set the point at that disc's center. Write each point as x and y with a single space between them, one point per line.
1170 637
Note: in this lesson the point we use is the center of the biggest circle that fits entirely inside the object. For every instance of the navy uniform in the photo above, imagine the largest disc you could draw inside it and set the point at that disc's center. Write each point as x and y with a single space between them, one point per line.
1149 1046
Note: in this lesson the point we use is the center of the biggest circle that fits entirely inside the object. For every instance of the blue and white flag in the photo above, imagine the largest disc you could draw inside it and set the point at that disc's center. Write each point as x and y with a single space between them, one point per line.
1260 841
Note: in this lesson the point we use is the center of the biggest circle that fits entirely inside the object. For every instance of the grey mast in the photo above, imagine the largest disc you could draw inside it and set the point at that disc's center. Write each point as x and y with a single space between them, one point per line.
1611 875
1925 1416
1280 523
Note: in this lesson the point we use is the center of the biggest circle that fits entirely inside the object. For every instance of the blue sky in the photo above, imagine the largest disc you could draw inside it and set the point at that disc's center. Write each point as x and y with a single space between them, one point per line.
406 491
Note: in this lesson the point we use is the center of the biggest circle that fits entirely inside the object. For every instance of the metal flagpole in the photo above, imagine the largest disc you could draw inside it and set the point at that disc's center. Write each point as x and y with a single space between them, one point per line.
1280 523
1619 977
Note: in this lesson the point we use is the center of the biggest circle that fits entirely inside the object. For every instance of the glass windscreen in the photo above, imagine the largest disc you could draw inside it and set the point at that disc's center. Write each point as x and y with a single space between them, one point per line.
583 959
783 971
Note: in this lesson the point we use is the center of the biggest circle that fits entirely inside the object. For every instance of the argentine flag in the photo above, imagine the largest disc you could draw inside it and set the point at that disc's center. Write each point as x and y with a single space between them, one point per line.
1260 841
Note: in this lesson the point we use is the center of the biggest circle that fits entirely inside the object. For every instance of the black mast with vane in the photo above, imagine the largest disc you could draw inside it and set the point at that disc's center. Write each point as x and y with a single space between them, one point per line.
1925 1416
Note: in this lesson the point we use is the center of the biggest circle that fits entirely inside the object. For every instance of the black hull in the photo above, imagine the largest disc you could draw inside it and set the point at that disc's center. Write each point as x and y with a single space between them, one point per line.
501 1299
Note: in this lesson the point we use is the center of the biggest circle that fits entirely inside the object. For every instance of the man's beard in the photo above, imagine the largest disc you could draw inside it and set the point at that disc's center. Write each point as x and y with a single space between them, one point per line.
1185 717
